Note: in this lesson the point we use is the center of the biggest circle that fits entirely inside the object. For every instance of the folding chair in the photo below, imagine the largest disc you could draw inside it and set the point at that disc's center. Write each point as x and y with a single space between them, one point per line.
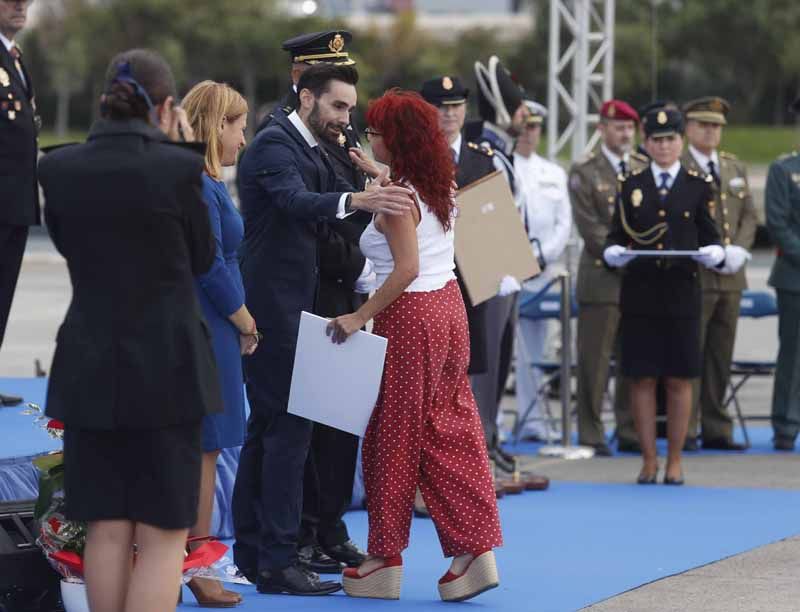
543 304
756 305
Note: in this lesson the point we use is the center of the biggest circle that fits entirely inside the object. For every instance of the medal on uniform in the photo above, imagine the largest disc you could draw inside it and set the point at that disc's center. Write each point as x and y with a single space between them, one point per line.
796 177
636 198
12 115
5 80
17 105
341 140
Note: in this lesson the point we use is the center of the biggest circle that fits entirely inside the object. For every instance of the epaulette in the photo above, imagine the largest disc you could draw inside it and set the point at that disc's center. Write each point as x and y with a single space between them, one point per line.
639 157
639 171
51 148
699 175
726 155
287 109
589 156
787 156
481 148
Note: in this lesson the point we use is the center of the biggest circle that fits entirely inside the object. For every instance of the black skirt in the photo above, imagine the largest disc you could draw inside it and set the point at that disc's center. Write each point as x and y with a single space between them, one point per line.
660 346
145 476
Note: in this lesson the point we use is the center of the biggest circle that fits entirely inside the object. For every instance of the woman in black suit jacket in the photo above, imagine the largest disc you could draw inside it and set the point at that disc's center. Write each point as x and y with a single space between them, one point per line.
133 373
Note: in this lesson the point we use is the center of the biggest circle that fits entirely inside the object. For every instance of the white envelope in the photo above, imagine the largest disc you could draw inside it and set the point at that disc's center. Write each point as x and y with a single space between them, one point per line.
336 384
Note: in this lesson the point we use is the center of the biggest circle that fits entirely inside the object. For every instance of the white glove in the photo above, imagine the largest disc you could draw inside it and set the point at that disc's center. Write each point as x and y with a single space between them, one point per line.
710 255
508 285
615 256
368 280
735 258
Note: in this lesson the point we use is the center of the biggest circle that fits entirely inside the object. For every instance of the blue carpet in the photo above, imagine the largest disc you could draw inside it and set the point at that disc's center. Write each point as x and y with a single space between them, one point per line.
760 444
22 436
578 544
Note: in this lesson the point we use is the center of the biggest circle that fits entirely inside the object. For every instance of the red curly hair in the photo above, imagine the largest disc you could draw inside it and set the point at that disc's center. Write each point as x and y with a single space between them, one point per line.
420 153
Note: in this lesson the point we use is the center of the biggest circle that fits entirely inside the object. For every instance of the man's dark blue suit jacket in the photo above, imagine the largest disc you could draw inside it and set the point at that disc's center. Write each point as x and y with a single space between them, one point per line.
286 189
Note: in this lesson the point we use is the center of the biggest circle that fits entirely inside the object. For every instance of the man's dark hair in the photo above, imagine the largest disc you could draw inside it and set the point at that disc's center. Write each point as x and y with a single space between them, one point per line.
122 100
318 77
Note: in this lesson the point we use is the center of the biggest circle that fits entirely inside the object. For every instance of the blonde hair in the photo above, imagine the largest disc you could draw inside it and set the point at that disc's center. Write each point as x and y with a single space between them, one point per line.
207 104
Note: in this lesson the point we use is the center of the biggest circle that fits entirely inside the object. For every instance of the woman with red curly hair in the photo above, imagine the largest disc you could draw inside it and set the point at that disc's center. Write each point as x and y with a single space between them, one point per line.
425 430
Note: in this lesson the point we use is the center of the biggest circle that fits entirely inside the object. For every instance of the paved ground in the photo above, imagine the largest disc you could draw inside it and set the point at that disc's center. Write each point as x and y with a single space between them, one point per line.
763 579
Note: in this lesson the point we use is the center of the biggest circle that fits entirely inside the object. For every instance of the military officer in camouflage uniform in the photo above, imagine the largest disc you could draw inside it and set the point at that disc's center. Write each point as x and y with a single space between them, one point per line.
734 212
593 192
782 201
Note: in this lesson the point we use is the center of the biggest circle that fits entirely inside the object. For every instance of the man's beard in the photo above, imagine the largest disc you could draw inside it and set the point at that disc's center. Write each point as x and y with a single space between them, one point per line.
320 128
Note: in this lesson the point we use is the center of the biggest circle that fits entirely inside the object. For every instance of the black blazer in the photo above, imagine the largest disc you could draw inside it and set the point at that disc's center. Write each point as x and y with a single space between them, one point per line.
287 190
125 209
19 191
668 287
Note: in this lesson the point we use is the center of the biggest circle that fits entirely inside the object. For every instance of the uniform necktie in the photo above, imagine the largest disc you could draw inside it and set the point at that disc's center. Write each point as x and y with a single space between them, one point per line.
663 188
712 170
17 55
623 167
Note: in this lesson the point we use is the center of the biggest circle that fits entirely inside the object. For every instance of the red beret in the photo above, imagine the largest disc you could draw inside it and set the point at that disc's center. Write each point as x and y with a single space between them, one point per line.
617 109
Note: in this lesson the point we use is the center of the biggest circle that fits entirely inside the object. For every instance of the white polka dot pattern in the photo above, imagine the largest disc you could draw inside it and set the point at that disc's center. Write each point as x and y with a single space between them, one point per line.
425 431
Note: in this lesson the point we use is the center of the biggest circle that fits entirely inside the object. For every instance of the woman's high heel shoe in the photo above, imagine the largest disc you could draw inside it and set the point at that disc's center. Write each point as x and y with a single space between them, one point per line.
381 583
647 479
479 576
669 480
206 598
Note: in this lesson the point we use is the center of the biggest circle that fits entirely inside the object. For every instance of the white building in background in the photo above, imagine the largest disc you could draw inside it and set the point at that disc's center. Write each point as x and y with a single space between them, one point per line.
445 18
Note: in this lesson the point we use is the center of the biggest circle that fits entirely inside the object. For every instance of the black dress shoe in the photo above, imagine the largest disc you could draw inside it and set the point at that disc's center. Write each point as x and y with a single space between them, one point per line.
508 457
250 573
294 580
724 444
782 443
347 553
10 400
691 446
312 557
500 462
668 480
629 446
601 449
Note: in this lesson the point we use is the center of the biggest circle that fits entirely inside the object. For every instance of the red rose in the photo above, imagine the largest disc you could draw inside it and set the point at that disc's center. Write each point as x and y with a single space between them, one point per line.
55 424
55 524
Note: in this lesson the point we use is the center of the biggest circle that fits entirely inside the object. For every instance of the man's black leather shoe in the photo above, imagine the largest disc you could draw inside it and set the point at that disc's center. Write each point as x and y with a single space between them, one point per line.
783 444
629 446
347 553
10 400
691 446
250 573
724 444
294 580
312 557
500 462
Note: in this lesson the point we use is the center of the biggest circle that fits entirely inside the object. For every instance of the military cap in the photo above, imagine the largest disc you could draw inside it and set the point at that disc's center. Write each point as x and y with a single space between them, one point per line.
499 96
619 110
655 104
444 90
326 47
662 122
710 109
537 113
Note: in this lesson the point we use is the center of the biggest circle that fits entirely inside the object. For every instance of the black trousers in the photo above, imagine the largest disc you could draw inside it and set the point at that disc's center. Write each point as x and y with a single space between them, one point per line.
328 486
268 492
12 248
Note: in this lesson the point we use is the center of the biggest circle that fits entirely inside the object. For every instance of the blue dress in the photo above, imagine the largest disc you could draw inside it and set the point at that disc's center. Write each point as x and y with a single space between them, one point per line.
221 293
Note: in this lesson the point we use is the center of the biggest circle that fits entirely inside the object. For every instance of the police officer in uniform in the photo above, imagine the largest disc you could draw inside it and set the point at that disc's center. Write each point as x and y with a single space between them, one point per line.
593 192
735 215
344 280
782 198
663 206
19 191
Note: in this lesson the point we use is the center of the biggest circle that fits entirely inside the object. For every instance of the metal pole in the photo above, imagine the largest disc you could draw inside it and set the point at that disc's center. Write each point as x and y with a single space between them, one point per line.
566 358
552 94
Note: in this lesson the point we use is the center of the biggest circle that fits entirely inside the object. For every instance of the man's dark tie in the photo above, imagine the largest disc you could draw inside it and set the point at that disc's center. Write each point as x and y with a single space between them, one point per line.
663 188
326 164
623 167
712 170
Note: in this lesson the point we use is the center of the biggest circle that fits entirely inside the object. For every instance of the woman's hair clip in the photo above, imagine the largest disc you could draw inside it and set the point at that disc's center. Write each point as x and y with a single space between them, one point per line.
124 75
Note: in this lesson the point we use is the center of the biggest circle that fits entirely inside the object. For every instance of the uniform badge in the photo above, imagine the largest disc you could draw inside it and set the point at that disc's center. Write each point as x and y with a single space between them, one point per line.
612 110
5 80
447 83
661 118
337 44
341 140
12 115
636 198
737 182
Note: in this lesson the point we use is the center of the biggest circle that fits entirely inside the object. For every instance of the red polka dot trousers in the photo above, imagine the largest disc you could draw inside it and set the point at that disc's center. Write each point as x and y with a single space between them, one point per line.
425 431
